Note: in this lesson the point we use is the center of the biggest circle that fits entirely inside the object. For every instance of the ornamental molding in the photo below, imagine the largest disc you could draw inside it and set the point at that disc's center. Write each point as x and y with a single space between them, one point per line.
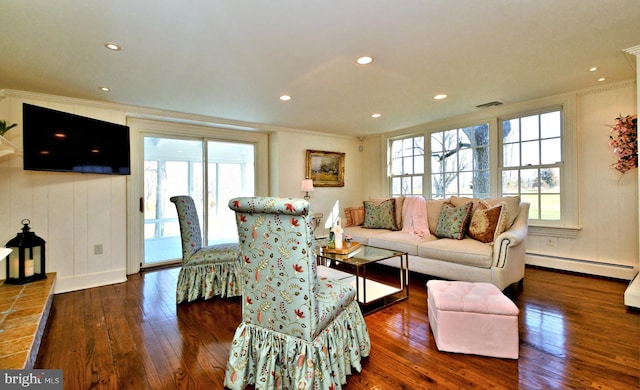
606 87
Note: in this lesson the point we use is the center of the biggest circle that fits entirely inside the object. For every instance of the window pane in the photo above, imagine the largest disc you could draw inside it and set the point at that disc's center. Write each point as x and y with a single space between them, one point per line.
550 180
451 184
406 185
529 181
407 147
481 134
482 158
511 155
417 185
437 142
396 166
465 159
530 153
510 182
419 145
395 186
550 206
550 125
407 165
481 184
551 151
450 139
466 183
534 208
530 128
418 164
437 186
511 131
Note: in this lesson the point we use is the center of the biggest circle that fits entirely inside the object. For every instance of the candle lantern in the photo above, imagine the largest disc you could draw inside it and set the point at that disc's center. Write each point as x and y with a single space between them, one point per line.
25 263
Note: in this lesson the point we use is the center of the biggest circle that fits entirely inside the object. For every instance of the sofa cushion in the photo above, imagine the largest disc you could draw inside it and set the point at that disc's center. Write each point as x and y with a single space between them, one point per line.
433 213
487 221
454 221
354 216
362 235
466 251
400 241
380 216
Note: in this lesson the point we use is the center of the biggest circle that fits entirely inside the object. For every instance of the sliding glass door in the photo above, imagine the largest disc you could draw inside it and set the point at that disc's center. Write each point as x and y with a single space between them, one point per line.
179 166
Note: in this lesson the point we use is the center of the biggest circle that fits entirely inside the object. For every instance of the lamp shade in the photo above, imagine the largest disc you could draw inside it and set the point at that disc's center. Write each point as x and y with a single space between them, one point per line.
307 185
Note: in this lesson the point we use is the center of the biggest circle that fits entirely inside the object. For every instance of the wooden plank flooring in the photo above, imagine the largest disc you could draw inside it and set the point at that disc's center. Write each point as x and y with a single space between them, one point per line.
575 333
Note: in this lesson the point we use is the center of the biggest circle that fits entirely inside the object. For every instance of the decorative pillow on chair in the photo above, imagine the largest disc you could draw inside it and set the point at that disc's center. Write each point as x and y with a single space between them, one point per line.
355 216
380 216
454 221
488 221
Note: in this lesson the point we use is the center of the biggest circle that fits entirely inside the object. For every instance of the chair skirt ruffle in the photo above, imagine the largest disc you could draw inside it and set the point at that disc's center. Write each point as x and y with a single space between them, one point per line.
204 281
273 360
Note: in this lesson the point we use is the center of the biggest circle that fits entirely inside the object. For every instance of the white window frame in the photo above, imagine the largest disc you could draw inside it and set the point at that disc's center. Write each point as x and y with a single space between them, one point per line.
405 176
569 224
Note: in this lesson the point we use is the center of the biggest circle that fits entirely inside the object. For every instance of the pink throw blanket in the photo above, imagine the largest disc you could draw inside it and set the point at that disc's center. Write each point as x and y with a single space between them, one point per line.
414 216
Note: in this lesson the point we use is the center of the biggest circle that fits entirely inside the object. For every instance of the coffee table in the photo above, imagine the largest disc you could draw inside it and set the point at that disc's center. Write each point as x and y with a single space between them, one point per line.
371 294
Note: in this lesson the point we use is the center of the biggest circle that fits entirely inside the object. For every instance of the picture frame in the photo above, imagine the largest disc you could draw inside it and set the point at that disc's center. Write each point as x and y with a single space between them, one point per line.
326 169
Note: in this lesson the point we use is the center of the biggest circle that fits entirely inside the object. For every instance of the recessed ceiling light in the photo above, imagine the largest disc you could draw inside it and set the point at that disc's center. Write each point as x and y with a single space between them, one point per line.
601 79
364 60
105 89
113 46
376 115
593 69
285 98
440 96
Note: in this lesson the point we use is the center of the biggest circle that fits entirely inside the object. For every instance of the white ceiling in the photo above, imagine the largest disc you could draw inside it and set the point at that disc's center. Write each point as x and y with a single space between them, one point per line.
232 59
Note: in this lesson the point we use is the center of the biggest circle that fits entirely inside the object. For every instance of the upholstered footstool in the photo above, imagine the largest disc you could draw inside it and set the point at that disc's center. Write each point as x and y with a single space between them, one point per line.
473 318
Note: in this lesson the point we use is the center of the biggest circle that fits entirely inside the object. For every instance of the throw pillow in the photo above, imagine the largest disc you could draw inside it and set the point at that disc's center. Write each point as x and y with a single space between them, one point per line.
380 216
453 222
399 204
354 216
487 222
512 207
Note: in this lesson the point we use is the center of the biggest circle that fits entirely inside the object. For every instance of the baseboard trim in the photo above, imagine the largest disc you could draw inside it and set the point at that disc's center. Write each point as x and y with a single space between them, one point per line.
81 282
589 267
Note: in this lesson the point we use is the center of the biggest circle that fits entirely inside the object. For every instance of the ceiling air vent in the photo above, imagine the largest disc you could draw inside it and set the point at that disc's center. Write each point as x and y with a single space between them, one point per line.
490 104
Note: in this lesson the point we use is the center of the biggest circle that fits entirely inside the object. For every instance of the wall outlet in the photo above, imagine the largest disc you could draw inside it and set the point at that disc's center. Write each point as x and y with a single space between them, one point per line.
97 249
551 241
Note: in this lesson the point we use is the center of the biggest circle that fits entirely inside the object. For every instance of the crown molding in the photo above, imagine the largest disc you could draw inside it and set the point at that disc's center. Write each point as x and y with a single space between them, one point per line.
635 50
606 87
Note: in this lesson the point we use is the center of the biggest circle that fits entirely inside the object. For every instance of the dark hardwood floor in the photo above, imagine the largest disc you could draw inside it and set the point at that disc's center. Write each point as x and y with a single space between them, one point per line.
575 333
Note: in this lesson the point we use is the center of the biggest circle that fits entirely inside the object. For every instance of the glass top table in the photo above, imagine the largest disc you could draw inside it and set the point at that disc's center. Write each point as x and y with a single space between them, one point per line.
373 292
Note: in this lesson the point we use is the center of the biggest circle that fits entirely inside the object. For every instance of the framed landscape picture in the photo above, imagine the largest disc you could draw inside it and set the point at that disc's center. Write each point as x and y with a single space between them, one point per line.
326 169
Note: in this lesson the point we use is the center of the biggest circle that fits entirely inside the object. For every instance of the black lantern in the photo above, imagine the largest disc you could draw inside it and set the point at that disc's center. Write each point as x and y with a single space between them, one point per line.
25 263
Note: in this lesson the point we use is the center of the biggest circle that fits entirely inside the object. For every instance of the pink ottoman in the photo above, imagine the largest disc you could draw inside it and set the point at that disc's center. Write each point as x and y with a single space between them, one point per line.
474 318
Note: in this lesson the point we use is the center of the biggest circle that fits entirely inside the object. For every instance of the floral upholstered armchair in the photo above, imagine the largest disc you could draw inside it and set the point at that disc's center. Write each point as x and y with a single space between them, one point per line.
206 271
298 331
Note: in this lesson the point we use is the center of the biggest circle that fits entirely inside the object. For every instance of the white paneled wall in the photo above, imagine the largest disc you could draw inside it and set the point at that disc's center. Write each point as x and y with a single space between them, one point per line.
71 211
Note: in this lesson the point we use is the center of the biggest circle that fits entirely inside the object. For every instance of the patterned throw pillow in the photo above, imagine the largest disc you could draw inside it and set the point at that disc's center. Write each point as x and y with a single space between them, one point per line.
488 221
454 221
380 216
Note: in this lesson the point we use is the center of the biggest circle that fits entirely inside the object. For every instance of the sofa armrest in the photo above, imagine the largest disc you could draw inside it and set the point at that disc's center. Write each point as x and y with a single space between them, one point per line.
506 243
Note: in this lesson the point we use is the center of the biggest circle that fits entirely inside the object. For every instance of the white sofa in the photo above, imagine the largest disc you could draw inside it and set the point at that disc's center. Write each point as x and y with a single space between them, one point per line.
500 262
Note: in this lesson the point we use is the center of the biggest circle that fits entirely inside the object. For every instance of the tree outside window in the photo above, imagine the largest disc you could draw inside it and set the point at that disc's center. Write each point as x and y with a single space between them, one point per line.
460 162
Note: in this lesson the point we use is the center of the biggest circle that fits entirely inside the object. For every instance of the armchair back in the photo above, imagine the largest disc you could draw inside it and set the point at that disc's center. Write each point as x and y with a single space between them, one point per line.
279 273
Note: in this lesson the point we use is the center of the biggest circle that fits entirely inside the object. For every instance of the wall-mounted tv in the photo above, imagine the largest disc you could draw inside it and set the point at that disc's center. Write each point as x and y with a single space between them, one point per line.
60 141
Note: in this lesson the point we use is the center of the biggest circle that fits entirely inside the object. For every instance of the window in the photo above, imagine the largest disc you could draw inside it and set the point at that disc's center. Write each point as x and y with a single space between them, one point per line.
532 162
407 166
460 162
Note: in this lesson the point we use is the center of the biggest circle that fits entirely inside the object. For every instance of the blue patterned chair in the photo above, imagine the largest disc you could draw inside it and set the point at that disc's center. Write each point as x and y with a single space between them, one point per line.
206 271
298 331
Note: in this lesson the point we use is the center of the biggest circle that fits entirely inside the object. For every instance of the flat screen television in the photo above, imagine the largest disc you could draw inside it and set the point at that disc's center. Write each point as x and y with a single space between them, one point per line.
63 142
